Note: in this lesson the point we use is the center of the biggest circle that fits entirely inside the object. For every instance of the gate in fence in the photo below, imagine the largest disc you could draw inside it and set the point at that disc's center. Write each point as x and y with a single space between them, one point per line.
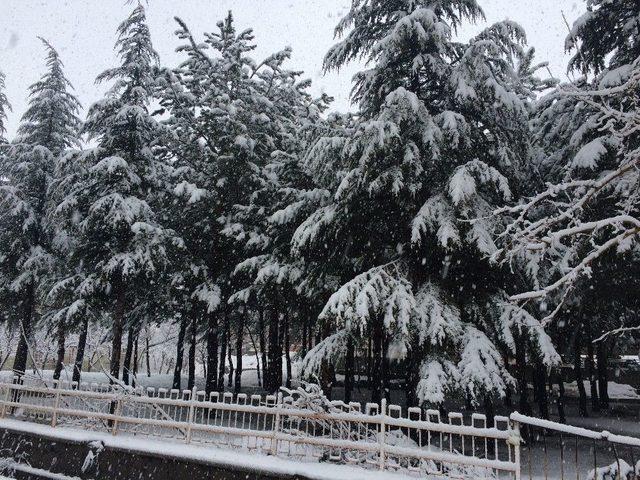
304 425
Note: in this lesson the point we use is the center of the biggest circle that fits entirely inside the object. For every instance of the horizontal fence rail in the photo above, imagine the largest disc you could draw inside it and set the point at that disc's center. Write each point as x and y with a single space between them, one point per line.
300 423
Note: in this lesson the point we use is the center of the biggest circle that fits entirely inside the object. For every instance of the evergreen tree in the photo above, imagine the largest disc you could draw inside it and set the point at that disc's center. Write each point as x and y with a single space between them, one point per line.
224 107
48 128
123 247
441 137
5 106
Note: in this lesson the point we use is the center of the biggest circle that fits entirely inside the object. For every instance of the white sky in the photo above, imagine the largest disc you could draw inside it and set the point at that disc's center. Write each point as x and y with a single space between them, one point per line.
83 32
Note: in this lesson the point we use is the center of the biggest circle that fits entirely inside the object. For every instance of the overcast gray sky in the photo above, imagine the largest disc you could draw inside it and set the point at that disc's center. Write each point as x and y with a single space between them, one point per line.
83 31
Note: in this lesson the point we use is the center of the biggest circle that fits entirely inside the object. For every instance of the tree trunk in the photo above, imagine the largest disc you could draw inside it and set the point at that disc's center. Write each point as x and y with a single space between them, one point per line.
22 350
118 323
231 367
135 359
287 348
255 349
212 354
521 368
603 377
560 381
61 334
348 371
377 383
541 389
275 352
595 398
177 371
577 350
239 339
82 345
126 368
223 351
191 381
147 353
263 350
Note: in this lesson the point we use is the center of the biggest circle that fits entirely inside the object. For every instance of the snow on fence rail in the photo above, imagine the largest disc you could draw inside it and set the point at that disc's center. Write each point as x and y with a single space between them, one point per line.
298 423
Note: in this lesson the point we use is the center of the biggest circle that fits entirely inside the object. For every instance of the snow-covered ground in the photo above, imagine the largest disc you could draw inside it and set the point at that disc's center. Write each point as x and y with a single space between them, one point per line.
617 391
220 457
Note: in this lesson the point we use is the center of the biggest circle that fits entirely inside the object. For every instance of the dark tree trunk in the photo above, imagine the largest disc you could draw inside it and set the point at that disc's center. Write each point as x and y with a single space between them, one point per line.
61 335
223 351
377 382
230 358
135 359
305 333
275 352
22 350
541 389
263 350
348 371
257 352
82 345
384 380
126 368
595 398
521 368
191 381
239 341
603 377
326 368
177 370
577 366
147 354
561 399
212 354
287 347
118 325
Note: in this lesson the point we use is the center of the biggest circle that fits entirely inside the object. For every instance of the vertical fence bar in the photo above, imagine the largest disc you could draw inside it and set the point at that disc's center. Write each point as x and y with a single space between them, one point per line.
56 403
6 400
117 412
276 425
192 408
517 440
383 415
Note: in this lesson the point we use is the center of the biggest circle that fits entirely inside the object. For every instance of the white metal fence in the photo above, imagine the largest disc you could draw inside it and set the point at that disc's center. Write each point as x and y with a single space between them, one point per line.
296 423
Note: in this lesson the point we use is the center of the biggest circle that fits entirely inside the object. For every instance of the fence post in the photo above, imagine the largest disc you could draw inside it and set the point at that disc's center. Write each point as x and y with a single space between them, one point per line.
192 407
383 417
118 412
516 448
56 403
6 400
276 425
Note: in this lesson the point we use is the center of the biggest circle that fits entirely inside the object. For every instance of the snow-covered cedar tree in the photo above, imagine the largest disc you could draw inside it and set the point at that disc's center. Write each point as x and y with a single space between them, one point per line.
48 128
268 273
116 190
582 227
440 142
231 115
5 107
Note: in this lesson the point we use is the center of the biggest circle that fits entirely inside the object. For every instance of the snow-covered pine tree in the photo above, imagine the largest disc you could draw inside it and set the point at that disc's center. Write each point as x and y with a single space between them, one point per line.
440 142
5 107
578 232
124 246
48 128
271 275
223 114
